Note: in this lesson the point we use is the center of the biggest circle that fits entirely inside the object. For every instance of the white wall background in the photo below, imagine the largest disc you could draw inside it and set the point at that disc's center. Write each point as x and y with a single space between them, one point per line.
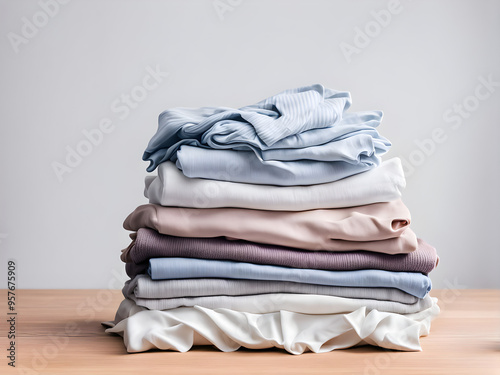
64 79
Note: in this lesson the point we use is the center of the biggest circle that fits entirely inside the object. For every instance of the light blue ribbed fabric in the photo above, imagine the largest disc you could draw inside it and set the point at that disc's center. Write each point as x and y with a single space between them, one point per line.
413 283
305 123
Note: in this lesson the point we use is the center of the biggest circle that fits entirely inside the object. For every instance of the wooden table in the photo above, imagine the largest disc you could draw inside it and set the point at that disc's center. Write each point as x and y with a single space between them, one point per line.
59 332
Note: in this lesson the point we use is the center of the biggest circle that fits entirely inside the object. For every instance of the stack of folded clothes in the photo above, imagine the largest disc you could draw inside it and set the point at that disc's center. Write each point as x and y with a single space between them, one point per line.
274 225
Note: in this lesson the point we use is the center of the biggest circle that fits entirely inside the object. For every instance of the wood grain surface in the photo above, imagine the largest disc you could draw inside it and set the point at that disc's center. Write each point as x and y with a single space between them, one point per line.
59 332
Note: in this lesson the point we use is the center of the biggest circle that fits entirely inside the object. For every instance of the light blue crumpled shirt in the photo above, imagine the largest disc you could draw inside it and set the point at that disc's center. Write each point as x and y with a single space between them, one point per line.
307 124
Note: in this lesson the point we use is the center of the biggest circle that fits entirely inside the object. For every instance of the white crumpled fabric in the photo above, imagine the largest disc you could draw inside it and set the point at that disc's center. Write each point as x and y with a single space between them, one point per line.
181 328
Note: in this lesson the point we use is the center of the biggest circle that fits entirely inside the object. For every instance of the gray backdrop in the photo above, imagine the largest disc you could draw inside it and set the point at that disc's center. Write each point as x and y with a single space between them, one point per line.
68 68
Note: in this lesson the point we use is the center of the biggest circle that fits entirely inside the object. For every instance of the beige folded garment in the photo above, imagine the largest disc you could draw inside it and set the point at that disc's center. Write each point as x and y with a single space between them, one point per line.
379 227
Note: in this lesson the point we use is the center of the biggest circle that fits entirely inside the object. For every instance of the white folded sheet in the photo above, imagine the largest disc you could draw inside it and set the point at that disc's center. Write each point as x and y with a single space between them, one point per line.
299 303
172 188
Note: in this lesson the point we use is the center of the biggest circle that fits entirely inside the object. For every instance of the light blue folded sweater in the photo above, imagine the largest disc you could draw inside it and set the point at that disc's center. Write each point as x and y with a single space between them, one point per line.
413 283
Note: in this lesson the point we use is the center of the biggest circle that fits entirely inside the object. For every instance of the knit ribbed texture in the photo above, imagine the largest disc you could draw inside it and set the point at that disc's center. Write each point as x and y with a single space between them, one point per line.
150 244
